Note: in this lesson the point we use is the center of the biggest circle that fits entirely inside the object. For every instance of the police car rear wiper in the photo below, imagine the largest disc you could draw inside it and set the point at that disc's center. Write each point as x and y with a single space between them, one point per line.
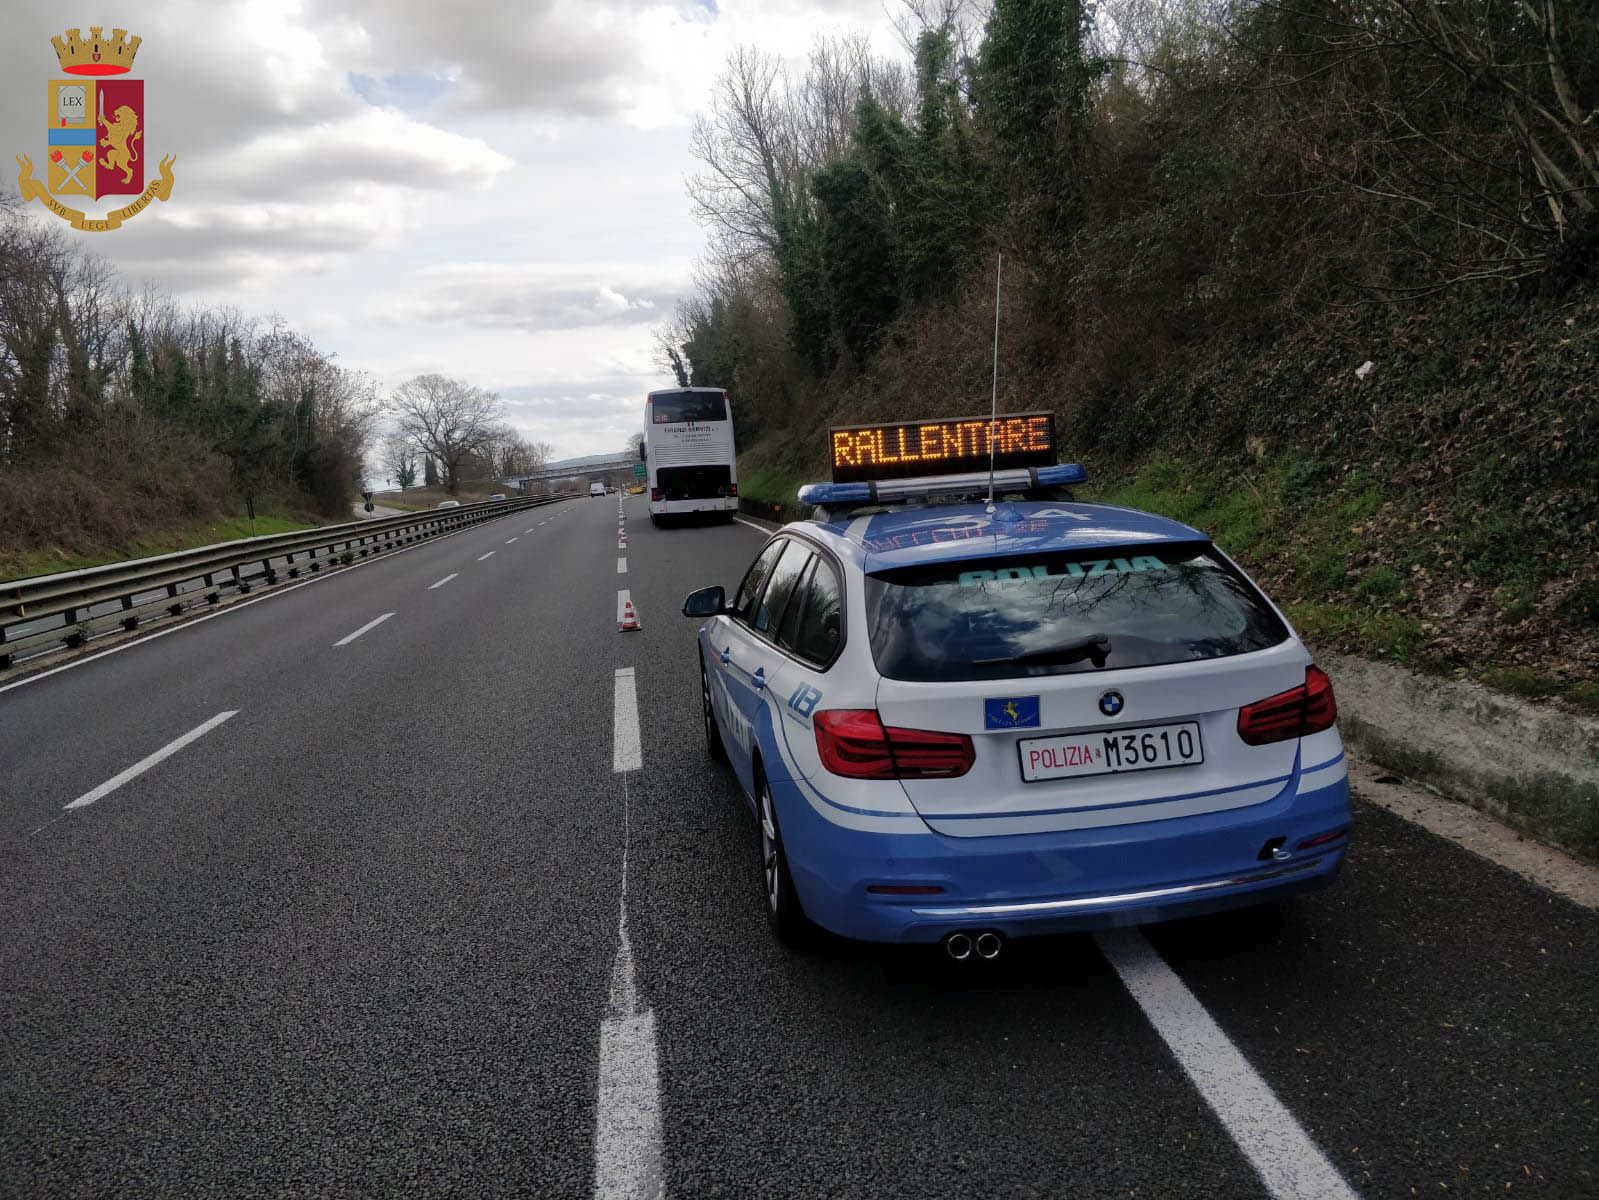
1095 646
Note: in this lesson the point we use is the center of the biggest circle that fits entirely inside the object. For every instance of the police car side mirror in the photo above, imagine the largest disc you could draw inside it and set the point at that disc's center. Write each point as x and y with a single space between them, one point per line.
707 602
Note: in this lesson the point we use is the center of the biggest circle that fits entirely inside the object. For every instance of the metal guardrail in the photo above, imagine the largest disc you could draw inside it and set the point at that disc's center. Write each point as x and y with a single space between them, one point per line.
71 607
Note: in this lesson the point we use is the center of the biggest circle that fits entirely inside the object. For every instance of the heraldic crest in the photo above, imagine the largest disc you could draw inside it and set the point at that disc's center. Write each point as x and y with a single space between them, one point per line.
95 140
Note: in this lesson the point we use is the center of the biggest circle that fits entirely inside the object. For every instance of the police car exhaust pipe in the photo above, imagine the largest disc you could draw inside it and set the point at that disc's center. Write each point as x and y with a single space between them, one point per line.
958 946
989 945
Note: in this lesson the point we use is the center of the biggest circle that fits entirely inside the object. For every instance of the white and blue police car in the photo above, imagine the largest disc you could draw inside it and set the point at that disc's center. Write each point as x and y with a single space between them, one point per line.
961 719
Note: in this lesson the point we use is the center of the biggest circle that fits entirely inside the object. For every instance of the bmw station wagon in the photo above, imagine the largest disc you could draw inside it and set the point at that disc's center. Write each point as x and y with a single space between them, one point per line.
959 720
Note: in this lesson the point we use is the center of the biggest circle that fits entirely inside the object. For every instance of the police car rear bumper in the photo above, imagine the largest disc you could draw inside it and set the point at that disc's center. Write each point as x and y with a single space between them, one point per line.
1029 884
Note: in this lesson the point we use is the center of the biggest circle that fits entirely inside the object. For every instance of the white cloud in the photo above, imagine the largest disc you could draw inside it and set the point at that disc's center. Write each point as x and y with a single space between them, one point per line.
487 188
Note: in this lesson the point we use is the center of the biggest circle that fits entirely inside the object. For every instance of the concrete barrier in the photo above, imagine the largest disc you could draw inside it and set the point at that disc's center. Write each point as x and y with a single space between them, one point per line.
1534 767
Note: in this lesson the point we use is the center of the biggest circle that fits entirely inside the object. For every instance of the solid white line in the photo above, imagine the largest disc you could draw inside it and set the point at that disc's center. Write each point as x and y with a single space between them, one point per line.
757 528
621 566
628 752
490 554
627 1126
508 541
144 764
350 637
445 580
1287 1161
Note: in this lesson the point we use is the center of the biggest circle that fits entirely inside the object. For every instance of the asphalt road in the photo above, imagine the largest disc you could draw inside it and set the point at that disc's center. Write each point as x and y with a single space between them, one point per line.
368 936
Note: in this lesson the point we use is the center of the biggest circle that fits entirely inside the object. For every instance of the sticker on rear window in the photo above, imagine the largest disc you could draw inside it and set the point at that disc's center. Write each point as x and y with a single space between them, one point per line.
1011 712
1089 568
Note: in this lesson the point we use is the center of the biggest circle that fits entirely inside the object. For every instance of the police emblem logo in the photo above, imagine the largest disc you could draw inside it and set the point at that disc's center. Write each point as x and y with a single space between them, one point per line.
95 140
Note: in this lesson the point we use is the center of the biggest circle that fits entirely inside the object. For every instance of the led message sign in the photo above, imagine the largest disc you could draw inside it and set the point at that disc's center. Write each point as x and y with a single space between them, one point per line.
902 449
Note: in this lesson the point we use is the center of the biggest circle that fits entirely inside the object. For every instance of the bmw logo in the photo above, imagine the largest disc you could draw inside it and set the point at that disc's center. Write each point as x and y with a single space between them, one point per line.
1111 703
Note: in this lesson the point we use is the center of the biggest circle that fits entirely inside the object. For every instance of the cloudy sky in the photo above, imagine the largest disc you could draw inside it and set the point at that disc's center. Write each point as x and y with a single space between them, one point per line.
488 190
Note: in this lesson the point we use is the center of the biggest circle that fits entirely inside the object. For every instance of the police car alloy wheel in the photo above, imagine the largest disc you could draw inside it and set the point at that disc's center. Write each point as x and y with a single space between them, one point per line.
713 735
783 911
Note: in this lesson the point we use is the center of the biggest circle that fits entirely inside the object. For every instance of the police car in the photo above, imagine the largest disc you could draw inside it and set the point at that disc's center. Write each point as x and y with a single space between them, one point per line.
966 711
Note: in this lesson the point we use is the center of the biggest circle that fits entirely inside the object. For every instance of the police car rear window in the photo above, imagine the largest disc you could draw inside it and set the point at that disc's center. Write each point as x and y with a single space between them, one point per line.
1064 613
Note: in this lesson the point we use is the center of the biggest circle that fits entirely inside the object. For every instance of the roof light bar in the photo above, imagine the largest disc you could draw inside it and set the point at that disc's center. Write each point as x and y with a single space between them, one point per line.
834 494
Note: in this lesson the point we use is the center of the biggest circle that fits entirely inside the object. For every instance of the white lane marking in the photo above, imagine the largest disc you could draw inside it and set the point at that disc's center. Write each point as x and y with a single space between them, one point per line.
370 625
144 764
445 580
1287 1161
622 545
621 566
508 541
757 528
627 1127
531 530
1483 835
490 554
627 753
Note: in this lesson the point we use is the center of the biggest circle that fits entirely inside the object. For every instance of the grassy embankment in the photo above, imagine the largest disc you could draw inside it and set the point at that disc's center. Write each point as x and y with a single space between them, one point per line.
184 535
1440 515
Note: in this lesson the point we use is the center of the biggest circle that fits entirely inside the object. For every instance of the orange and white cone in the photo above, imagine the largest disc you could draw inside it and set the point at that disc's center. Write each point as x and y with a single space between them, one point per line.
629 619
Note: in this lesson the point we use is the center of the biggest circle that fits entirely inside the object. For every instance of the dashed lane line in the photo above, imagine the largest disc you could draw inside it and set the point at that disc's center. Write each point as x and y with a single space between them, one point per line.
367 628
445 580
1290 1165
490 554
508 541
627 1129
621 566
144 764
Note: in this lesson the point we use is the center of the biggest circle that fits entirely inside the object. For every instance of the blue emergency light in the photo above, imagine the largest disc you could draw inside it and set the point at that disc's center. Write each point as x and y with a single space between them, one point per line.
833 495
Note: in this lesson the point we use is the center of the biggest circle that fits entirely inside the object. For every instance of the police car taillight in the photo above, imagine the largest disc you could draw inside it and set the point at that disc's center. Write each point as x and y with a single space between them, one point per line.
1306 709
854 743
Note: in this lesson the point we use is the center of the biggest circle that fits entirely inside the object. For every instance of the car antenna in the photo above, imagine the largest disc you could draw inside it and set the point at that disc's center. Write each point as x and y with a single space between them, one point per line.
993 411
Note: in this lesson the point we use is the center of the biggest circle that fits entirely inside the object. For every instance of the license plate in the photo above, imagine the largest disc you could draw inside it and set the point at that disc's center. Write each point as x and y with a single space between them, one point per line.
1110 751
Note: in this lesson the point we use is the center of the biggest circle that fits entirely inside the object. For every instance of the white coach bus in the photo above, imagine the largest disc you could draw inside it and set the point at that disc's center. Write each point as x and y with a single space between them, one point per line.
689 454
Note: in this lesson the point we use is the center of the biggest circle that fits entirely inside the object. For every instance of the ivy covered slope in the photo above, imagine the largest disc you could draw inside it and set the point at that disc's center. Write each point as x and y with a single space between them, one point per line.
1443 512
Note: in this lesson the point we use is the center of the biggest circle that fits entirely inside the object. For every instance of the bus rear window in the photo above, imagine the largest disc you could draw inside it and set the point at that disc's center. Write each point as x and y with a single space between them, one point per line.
1062 613
673 408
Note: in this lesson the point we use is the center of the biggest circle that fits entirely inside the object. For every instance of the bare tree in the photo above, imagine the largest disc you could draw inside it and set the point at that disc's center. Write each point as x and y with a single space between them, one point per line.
448 420
1479 120
399 459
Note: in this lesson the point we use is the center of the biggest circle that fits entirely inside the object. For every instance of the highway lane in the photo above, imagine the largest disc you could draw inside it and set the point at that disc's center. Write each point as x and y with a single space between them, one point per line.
61 735
347 942
362 938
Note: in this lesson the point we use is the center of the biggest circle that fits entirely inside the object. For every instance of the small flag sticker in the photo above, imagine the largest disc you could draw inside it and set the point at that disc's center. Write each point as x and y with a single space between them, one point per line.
1011 712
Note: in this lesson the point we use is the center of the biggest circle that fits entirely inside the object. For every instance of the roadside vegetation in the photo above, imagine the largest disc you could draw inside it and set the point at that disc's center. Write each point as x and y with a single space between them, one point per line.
128 421
1322 279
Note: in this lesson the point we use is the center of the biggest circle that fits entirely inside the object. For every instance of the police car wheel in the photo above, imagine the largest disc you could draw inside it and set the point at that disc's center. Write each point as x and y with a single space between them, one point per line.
783 911
713 735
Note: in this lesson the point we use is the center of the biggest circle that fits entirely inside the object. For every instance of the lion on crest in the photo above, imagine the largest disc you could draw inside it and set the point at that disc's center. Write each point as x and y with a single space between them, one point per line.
119 136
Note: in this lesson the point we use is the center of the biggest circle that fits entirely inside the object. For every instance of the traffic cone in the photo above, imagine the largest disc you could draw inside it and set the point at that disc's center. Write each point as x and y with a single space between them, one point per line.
629 619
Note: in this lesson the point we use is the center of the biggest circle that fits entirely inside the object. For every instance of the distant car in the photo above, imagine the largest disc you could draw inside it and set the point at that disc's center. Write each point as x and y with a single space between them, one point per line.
596 489
449 504
497 496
